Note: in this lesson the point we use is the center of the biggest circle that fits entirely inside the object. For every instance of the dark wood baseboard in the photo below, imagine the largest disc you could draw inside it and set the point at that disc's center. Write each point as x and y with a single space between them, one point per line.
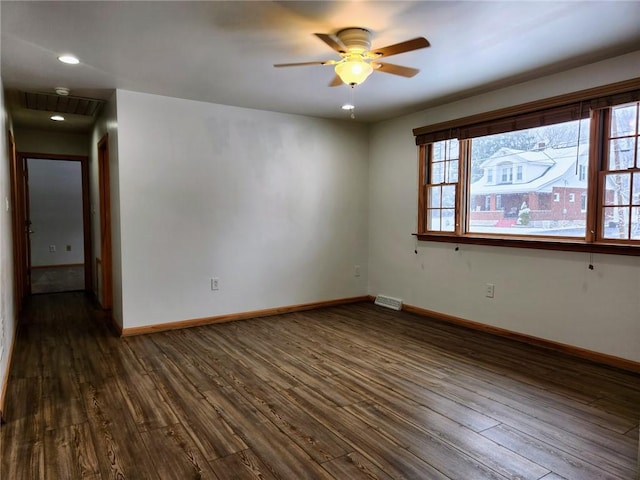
125 332
591 355
62 265
5 382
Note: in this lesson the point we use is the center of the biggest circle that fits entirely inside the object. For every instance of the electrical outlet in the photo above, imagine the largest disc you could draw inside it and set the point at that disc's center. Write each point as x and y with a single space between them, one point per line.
52 248
356 271
490 287
215 283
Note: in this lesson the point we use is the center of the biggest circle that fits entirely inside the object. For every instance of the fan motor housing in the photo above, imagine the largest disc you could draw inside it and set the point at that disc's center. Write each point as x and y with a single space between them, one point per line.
356 39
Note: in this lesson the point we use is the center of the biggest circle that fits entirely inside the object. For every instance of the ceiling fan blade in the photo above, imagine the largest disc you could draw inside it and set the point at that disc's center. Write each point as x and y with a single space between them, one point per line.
336 82
303 64
395 69
402 47
332 41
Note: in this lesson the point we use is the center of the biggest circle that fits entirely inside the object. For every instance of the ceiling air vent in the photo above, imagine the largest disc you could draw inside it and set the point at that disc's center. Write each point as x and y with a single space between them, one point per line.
61 104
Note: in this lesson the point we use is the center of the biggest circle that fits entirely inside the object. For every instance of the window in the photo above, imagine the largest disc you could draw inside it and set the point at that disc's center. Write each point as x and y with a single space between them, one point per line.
582 145
621 176
582 173
550 154
441 186
506 173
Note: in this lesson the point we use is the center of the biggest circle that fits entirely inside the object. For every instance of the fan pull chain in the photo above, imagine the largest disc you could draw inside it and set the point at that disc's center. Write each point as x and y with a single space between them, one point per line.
353 102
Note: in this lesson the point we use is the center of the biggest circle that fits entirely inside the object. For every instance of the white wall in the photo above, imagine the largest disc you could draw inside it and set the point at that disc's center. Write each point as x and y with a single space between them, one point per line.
7 309
275 205
107 123
547 294
55 206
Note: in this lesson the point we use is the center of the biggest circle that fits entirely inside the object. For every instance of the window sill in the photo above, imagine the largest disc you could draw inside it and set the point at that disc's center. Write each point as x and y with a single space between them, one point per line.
568 245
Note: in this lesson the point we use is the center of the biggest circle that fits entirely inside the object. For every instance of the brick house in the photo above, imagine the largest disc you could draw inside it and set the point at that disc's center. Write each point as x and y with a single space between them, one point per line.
550 182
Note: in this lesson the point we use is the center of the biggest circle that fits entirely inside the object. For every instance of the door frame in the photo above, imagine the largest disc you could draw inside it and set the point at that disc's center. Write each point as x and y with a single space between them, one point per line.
104 194
21 214
20 271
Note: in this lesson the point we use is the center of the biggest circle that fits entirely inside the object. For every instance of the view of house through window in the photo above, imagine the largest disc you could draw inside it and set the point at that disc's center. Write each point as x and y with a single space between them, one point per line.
541 172
563 175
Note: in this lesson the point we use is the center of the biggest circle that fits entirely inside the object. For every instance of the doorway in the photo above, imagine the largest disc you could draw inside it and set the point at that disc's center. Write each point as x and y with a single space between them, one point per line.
56 233
56 216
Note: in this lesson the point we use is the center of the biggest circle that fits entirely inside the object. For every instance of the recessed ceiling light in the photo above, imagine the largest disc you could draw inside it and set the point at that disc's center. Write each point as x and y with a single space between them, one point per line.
57 118
70 59
348 106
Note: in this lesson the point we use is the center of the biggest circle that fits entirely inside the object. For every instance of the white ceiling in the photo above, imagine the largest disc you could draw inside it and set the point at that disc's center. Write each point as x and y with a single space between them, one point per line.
223 52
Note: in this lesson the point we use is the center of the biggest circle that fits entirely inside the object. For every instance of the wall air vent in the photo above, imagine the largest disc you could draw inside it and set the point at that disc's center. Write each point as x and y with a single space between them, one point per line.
389 302
50 102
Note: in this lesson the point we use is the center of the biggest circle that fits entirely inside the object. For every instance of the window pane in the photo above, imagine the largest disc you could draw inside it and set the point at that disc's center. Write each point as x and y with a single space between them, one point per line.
437 173
545 164
635 223
449 196
616 190
433 219
438 151
448 220
441 220
453 171
435 199
453 148
621 153
616 222
623 120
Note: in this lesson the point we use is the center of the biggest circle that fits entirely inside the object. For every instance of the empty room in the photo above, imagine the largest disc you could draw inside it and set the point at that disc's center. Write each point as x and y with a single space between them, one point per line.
320 240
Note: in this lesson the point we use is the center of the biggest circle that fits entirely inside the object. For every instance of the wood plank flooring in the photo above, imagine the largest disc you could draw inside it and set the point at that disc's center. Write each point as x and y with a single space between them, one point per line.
350 392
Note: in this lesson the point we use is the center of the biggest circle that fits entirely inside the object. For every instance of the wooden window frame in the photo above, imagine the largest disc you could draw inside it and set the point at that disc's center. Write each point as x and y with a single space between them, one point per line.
592 102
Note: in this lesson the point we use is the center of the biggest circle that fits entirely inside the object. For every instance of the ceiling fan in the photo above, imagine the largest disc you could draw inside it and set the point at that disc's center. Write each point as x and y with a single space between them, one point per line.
358 60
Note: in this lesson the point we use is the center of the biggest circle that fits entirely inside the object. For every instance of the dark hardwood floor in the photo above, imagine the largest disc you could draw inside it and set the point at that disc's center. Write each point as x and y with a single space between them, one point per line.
63 278
345 392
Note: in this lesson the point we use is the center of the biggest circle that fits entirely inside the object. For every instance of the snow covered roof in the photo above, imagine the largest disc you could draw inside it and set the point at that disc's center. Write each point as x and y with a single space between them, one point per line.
560 164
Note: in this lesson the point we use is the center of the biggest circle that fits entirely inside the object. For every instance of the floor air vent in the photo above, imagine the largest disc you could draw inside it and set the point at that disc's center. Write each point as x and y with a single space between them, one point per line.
389 302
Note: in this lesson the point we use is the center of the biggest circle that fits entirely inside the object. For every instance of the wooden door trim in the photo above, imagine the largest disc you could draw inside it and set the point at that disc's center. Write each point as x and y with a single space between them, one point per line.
104 186
19 274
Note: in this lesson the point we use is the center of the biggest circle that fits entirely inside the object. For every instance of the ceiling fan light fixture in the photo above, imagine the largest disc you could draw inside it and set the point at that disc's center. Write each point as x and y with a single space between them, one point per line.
353 71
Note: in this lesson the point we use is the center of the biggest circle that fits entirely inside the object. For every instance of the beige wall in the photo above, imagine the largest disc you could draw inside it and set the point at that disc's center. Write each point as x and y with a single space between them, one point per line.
274 205
8 311
546 294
